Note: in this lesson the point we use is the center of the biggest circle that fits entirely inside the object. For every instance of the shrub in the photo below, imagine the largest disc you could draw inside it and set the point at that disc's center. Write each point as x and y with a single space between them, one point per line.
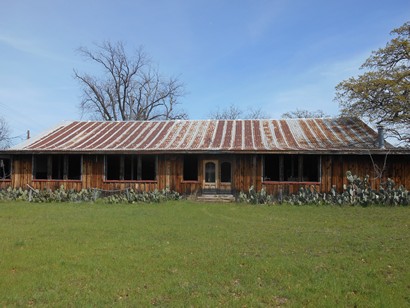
87 195
357 192
254 197
306 196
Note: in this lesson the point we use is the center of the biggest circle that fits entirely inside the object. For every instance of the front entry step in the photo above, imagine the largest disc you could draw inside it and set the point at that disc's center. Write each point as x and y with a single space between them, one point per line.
216 198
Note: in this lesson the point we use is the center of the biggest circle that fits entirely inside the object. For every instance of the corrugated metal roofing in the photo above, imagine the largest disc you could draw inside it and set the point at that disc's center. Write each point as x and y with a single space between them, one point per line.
286 135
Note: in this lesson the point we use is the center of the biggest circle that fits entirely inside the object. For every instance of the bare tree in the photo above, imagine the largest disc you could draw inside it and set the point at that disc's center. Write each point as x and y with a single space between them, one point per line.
234 113
230 113
256 113
130 89
4 134
303 113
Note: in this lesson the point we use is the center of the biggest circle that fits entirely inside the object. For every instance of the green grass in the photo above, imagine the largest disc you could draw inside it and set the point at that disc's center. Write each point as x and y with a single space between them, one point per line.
192 254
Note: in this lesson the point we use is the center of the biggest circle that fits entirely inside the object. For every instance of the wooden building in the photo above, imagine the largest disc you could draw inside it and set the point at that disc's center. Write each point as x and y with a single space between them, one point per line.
195 157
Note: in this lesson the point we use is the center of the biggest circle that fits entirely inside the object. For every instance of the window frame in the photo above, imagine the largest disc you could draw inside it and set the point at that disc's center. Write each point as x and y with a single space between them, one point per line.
230 171
50 170
184 167
300 169
10 160
210 171
35 164
136 177
191 156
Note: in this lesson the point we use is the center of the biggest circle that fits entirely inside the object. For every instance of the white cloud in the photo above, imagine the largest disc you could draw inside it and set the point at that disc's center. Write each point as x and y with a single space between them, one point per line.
24 45
315 88
30 46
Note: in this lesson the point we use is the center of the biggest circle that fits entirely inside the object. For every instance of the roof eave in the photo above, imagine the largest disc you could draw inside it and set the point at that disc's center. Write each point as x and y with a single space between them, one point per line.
361 151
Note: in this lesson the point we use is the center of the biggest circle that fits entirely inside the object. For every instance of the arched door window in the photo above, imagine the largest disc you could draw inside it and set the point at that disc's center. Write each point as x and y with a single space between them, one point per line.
210 172
226 172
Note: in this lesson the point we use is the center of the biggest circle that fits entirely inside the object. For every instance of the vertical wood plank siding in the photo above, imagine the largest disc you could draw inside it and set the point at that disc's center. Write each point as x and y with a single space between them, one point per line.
246 171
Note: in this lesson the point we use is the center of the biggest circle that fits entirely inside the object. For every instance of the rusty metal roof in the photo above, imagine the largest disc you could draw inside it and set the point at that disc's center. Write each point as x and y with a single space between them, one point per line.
285 135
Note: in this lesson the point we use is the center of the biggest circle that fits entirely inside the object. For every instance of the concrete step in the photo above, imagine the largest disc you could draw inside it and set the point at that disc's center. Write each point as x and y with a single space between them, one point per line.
216 198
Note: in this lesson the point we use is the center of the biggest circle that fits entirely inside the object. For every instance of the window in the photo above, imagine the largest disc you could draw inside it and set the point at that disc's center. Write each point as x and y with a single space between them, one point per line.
226 172
130 167
5 168
190 168
148 168
74 167
291 168
57 167
311 168
291 165
271 168
113 167
40 167
210 172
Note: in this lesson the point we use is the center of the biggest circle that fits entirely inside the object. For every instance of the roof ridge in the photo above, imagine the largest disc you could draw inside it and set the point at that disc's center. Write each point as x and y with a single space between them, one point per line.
206 120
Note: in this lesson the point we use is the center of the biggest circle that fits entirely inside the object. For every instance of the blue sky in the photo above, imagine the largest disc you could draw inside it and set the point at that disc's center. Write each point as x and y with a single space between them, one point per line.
274 55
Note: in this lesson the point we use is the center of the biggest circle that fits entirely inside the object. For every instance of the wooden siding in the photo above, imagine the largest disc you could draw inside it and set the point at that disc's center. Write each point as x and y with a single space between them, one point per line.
247 170
334 168
5 184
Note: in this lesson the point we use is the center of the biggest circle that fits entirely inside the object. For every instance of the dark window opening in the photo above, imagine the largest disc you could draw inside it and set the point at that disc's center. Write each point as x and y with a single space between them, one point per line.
113 167
291 168
190 168
226 172
74 167
5 168
57 167
311 168
271 168
130 167
148 168
40 167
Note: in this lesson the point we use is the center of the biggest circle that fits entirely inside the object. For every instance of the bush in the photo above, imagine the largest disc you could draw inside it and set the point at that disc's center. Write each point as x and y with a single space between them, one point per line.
87 195
356 192
132 196
254 197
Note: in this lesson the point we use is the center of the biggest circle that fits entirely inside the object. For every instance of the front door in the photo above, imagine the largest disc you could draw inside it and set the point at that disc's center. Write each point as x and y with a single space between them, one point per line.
211 174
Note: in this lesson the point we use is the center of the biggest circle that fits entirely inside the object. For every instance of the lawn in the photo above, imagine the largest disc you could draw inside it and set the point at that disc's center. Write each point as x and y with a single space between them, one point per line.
192 254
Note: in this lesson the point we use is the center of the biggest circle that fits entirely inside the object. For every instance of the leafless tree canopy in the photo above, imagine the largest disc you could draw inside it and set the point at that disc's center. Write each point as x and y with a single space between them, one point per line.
234 113
130 88
303 113
4 134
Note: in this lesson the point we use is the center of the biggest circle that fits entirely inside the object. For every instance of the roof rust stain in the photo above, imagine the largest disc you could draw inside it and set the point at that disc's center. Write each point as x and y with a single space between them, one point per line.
249 138
207 135
97 136
226 143
238 136
216 142
257 135
328 134
156 139
55 136
319 134
309 132
288 136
